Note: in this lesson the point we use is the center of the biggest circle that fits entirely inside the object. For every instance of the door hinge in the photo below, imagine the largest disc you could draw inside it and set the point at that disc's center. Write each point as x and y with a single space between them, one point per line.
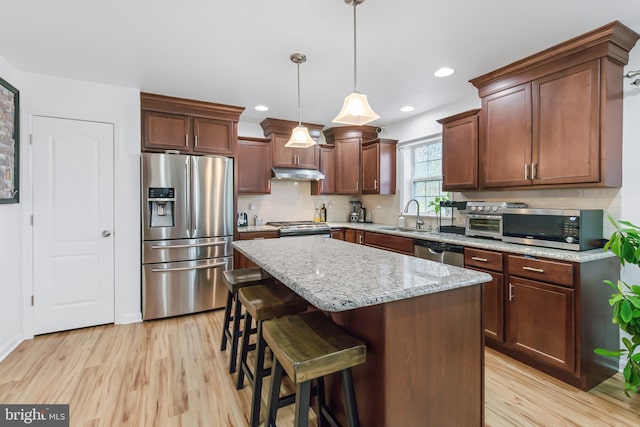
31 220
32 299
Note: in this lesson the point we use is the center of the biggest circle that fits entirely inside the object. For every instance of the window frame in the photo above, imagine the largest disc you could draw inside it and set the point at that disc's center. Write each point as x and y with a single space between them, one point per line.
407 165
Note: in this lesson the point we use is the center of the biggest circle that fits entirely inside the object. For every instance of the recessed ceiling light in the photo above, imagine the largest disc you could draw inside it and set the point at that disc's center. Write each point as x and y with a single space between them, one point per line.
443 72
261 108
407 108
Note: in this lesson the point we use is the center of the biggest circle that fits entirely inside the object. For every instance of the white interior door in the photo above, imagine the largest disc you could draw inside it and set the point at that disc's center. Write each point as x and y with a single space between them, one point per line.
72 224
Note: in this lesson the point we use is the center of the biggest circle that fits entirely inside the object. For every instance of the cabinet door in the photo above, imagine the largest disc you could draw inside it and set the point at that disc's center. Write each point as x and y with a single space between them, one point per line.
282 156
350 235
371 169
306 158
566 132
460 154
213 136
338 234
348 166
327 167
493 298
505 144
540 322
253 160
165 131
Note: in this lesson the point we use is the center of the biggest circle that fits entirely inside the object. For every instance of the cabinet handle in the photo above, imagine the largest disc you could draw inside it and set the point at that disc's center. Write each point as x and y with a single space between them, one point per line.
526 171
475 258
444 181
537 270
375 184
533 170
196 140
186 140
357 185
361 239
510 292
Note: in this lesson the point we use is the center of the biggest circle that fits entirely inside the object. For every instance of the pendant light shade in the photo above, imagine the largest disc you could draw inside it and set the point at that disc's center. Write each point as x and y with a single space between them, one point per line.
356 109
300 137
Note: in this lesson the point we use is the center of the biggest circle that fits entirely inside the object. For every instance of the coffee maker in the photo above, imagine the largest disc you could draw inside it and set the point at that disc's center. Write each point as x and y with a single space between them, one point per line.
354 215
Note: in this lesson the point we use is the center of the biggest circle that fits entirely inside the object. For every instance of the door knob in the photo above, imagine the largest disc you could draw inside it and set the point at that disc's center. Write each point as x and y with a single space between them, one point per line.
106 233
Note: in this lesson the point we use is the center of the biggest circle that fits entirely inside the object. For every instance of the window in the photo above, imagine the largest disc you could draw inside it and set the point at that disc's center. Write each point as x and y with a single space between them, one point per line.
422 172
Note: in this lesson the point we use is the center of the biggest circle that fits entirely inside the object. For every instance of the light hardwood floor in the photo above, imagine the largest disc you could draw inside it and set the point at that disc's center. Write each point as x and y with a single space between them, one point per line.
171 373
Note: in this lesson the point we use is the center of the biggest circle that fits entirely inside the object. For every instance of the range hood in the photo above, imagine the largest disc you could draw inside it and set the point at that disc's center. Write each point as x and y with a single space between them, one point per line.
296 174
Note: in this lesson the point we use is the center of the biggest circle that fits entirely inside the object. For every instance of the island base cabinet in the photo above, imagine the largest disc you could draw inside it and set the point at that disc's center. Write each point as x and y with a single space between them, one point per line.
540 322
425 361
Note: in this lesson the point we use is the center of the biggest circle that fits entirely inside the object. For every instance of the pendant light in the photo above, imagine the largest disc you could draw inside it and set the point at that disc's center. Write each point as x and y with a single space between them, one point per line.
300 137
356 109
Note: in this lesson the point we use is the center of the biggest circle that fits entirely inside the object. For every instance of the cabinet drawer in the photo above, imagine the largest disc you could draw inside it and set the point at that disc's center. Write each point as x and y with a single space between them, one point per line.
488 260
252 235
388 242
560 273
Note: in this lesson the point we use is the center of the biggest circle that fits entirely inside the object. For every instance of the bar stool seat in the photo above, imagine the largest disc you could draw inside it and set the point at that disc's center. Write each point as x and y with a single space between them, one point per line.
262 302
235 280
307 347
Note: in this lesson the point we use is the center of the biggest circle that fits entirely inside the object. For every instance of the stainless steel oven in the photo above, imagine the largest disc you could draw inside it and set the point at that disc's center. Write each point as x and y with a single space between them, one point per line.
484 219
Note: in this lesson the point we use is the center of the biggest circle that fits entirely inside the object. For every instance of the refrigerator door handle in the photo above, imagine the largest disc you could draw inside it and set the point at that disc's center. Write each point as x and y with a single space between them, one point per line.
199 267
194 203
195 245
187 173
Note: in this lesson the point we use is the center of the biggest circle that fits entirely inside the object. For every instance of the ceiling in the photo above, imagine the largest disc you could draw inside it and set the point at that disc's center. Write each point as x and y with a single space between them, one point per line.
237 52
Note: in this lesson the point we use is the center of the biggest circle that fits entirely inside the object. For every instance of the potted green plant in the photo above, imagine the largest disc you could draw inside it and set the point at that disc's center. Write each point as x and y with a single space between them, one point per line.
625 244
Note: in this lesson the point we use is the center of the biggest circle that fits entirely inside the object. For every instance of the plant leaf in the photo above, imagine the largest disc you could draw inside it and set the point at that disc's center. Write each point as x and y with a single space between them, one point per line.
605 352
610 283
635 301
626 313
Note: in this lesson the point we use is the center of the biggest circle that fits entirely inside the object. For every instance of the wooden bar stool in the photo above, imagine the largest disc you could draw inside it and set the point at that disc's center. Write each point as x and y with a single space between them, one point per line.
307 347
262 303
235 280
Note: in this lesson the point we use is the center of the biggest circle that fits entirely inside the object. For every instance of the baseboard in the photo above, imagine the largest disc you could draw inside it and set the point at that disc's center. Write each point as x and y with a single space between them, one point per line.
7 348
130 318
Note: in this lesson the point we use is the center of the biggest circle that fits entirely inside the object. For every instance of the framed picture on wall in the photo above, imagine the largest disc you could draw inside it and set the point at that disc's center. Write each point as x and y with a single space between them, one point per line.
9 142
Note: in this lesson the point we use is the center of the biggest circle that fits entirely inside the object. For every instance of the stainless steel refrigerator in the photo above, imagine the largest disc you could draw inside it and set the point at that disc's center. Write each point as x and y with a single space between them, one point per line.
187 231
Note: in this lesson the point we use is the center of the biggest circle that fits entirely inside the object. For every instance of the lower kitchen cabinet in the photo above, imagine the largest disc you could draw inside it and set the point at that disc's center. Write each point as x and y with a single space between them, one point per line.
337 233
541 322
241 261
354 236
388 242
490 262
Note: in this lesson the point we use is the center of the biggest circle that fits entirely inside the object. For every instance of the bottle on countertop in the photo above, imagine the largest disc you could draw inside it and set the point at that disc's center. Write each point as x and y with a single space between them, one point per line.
401 220
323 213
316 216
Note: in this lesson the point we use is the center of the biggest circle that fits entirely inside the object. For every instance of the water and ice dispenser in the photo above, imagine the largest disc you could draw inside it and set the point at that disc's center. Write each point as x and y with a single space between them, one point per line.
161 202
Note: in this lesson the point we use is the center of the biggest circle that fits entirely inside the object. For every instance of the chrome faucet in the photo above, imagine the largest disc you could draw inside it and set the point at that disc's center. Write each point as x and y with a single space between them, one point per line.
419 221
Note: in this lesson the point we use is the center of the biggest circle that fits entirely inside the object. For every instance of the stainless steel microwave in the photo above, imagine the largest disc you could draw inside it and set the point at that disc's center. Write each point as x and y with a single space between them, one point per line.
571 229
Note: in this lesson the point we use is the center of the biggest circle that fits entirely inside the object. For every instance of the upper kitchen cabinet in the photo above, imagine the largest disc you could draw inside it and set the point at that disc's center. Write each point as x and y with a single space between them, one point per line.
279 131
555 118
253 160
328 169
348 147
379 166
460 151
188 126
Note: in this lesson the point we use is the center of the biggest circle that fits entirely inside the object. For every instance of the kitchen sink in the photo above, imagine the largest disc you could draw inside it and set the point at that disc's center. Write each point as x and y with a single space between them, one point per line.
402 229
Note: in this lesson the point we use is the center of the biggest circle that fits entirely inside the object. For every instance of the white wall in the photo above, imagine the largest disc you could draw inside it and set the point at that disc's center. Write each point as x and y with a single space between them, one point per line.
50 96
11 244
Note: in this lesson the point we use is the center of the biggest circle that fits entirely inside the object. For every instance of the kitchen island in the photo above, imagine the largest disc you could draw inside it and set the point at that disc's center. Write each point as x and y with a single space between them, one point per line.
421 320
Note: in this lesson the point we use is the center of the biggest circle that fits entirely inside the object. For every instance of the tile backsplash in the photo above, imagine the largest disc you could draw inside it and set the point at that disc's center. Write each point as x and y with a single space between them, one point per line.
291 201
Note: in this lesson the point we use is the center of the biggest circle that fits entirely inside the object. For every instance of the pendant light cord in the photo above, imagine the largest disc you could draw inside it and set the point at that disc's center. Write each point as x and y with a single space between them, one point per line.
299 119
355 66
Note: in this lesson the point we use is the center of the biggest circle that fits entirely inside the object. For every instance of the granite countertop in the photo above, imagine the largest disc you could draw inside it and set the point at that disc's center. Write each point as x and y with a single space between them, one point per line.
334 275
474 242
257 228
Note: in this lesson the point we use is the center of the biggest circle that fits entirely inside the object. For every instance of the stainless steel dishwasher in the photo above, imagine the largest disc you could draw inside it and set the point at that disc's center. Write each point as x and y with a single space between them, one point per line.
445 253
